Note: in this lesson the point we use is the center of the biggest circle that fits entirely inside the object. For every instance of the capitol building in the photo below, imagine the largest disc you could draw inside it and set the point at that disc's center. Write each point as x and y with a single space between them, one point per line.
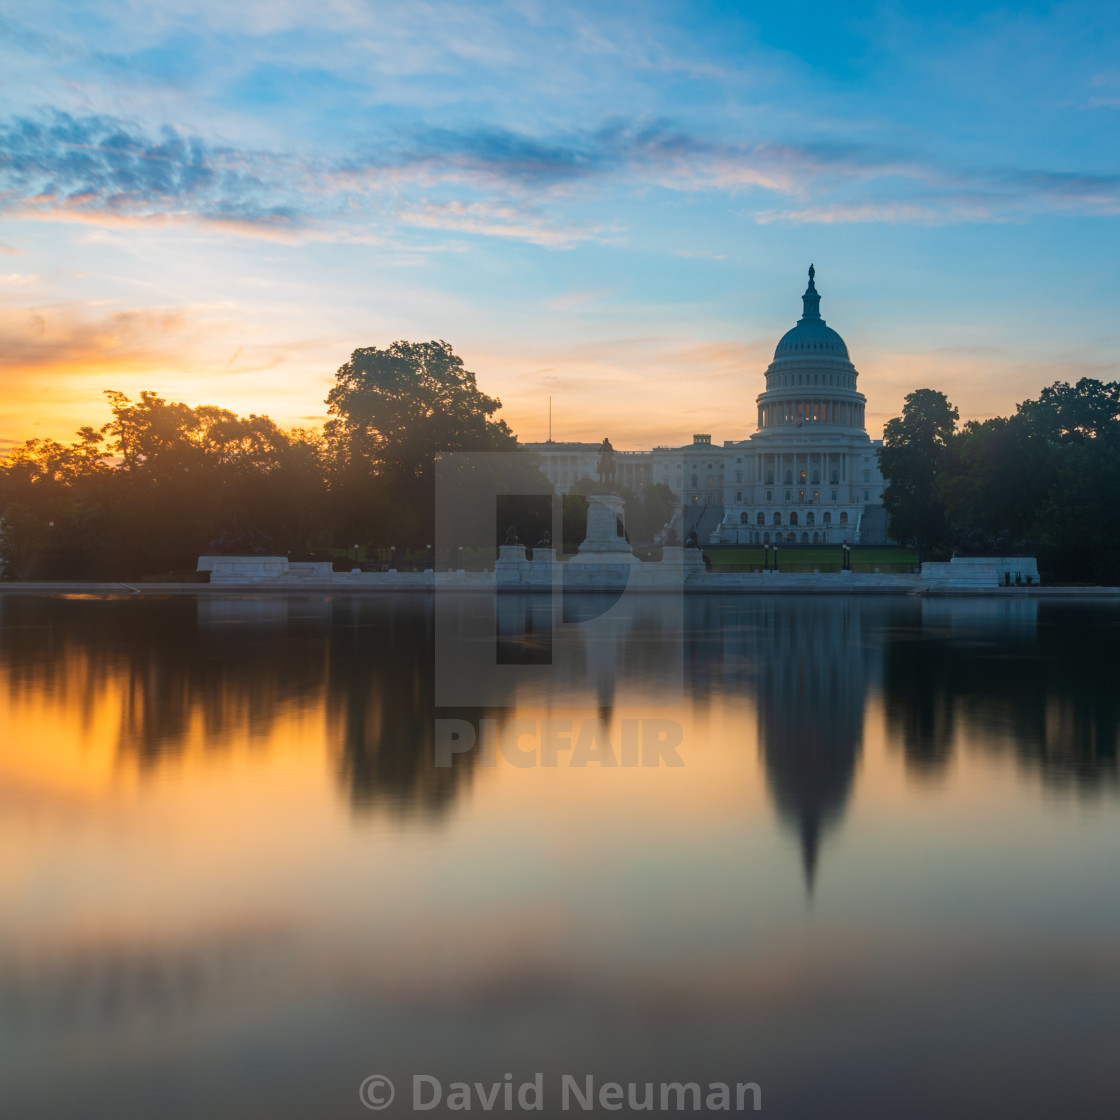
808 474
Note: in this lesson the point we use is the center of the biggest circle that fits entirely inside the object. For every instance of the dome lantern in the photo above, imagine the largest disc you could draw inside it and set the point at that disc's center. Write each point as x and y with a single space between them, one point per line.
811 299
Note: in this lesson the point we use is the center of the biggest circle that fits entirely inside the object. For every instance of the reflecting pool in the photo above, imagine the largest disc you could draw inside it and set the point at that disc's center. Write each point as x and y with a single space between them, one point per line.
247 858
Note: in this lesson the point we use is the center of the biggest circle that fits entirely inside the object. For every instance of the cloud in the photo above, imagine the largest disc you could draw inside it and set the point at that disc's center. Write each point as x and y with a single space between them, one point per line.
895 186
55 361
980 195
45 339
98 167
648 152
581 298
494 182
519 223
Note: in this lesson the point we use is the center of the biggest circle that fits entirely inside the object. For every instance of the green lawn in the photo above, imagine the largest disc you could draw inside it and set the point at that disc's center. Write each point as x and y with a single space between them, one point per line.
831 554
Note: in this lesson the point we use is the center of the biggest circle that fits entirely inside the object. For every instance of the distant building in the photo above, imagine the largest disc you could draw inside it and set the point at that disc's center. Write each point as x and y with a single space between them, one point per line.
566 463
809 474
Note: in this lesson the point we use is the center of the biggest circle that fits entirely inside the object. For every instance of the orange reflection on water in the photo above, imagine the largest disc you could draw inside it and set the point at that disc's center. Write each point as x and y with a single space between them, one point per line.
222 824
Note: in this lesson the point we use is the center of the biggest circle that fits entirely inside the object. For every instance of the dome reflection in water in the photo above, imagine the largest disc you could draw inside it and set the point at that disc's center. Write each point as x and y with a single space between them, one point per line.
235 882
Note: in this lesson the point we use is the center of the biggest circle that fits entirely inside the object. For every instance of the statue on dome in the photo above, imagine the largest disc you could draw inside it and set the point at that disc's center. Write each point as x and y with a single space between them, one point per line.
812 273
606 463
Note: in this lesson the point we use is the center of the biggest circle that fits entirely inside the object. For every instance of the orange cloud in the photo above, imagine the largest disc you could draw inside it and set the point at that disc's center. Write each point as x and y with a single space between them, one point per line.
56 361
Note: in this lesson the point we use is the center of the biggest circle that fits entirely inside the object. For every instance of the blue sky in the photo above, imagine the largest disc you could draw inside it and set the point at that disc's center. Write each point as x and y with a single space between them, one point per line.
610 204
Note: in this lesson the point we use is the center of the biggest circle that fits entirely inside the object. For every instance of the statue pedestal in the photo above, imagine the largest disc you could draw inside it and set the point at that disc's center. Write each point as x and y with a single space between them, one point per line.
542 568
606 541
605 559
511 564
687 559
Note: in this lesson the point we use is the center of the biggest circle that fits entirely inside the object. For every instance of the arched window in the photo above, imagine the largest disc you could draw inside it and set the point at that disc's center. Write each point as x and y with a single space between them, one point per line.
761 518
810 518
765 538
816 538
804 538
793 518
777 519
744 519
844 518
827 519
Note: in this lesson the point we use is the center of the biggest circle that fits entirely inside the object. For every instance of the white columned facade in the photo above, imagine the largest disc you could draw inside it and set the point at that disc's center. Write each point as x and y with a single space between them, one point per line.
808 472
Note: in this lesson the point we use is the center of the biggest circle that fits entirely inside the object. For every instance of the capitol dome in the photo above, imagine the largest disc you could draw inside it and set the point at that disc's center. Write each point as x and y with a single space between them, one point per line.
811 335
811 383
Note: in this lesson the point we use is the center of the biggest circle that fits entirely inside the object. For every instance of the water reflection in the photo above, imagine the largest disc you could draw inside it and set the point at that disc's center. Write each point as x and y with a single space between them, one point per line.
809 663
1033 679
224 837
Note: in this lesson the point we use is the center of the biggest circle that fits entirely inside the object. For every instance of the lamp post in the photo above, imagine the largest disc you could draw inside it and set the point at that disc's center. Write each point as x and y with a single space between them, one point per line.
460 557
392 556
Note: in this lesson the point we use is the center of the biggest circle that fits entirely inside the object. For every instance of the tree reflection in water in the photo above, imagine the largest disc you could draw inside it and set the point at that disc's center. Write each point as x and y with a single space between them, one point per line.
1035 679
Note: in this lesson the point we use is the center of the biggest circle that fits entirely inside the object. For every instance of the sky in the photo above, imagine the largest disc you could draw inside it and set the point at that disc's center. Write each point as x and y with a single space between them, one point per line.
612 205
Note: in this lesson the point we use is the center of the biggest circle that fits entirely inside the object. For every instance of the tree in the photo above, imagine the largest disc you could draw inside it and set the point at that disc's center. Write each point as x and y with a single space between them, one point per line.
915 452
392 412
49 496
154 488
645 518
997 480
1075 414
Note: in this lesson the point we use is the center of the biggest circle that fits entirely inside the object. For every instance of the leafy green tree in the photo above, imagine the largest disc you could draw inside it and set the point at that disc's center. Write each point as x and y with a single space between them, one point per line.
392 412
1074 414
997 479
916 450
650 511
203 478
157 486
50 494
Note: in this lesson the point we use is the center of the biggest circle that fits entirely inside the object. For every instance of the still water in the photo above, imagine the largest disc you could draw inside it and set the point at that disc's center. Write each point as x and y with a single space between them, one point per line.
883 882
